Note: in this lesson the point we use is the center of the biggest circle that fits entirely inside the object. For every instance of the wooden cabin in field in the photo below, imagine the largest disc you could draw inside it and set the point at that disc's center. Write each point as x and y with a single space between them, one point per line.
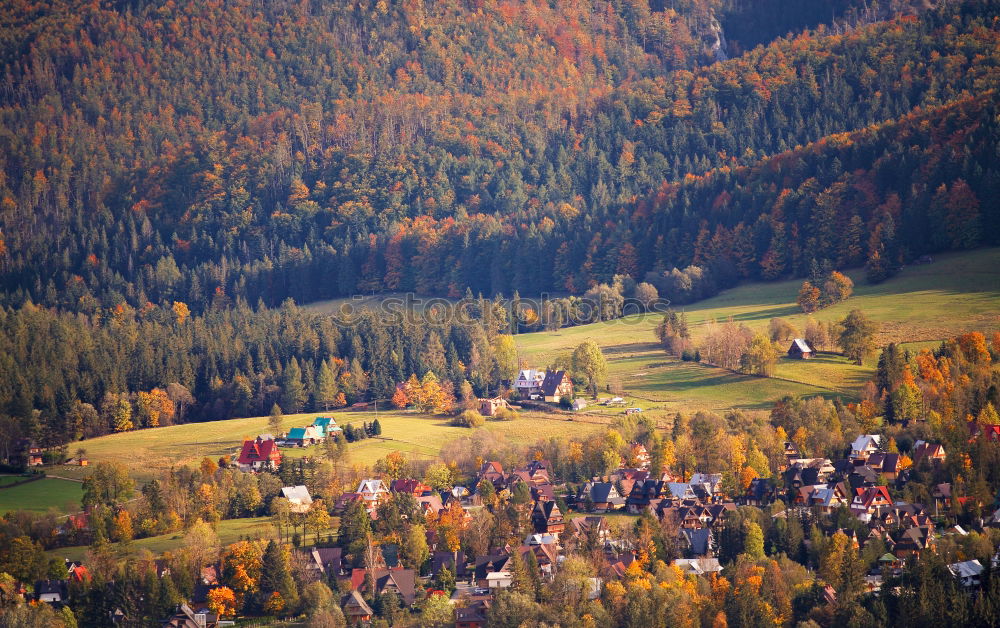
801 350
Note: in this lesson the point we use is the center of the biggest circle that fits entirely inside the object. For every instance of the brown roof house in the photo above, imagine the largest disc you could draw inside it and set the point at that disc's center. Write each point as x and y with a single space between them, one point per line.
547 518
356 610
801 350
556 385
401 581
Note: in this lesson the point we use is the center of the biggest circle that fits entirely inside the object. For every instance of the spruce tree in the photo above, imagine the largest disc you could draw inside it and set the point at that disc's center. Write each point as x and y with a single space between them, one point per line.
276 576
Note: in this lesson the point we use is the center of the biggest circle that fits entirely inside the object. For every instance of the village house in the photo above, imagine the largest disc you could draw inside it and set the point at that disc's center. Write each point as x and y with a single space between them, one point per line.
867 500
411 486
259 455
528 384
547 518
373 493
29 451
884 464
931 452
303 436
643 495
493 472
579 404
556 385
399 581
325 560
326 426
801 349
52 591
584 527
473 615
299 499
698 566
760 492
446 560
864 446
356 610
186 617
968 572
640 455
495 565
603 495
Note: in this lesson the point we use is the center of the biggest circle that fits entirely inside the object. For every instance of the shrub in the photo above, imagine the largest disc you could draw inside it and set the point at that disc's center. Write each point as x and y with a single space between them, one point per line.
469 418
504 414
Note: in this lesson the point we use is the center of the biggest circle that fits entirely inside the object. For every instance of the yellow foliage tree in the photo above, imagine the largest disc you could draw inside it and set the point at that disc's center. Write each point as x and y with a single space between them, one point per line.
222 601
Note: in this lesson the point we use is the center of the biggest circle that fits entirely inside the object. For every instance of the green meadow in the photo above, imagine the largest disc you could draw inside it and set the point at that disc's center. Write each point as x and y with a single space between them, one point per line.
922 305
42 495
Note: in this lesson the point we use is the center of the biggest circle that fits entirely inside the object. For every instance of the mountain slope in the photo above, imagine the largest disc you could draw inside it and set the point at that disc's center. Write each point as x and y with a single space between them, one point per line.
211 151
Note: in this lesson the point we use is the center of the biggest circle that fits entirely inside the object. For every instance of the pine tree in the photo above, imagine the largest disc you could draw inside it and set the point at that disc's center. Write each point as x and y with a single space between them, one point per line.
293 392
275 420
326 386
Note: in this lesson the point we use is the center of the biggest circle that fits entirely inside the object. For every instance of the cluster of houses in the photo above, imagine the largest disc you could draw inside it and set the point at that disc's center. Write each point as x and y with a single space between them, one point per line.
322 428
551 387
699 508
262 453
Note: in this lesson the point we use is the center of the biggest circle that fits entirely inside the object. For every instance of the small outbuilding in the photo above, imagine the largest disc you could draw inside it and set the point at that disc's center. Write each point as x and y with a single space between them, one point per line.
488 407
801 350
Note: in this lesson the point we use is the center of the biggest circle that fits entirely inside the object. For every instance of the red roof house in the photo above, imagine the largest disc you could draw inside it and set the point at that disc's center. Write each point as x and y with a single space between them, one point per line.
258 455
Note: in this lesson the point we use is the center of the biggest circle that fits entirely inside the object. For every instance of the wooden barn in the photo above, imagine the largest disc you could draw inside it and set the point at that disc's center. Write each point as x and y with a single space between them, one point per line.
801 350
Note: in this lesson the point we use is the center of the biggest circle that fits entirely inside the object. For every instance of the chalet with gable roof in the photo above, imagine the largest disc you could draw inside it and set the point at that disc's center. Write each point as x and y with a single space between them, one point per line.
400 581
556 385
931 452
864 446
373 493
259 455
547 518
867 500
884 464
761 492
186 617
698 566
528 384
356 610
596 526
325 560
603 495
969 573
326 426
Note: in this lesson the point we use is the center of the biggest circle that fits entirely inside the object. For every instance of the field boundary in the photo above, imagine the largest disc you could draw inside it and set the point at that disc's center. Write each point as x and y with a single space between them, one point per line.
33 478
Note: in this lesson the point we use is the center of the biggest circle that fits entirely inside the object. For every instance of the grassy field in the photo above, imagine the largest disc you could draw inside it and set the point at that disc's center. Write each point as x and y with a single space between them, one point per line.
42 495
924 304
154 451
229 531
921 306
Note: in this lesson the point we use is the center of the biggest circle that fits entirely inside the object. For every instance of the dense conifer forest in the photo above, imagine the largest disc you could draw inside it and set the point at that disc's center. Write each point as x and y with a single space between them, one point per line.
210 151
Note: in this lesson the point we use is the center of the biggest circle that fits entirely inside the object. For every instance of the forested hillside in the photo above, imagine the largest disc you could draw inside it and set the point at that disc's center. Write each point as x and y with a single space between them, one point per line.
210 151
